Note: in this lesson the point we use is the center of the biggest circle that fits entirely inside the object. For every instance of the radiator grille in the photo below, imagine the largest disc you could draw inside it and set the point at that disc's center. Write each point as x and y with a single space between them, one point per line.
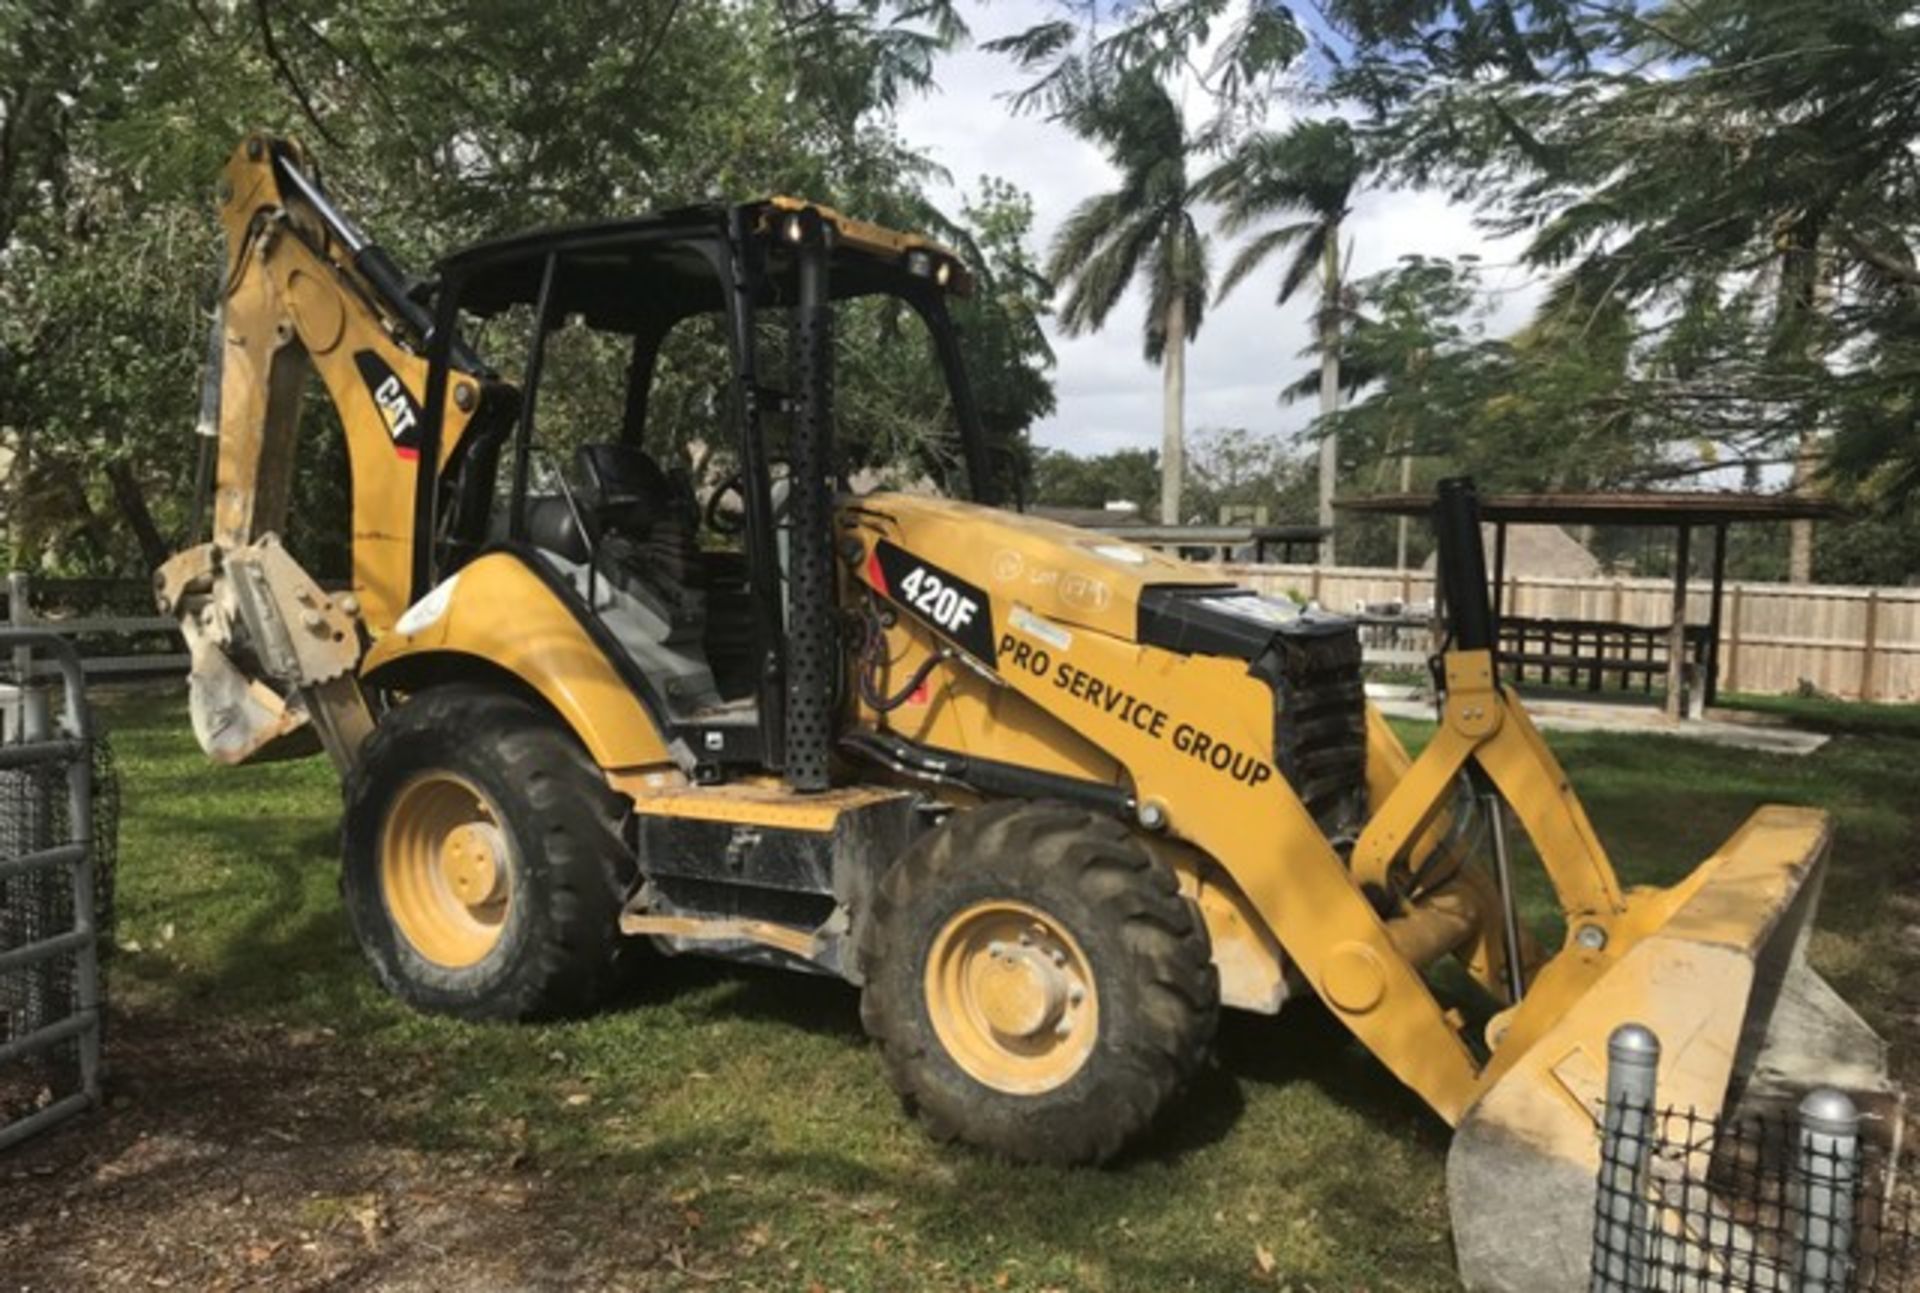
1320 728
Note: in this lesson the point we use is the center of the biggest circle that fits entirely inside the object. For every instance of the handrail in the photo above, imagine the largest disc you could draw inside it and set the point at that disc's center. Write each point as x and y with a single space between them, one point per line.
35 736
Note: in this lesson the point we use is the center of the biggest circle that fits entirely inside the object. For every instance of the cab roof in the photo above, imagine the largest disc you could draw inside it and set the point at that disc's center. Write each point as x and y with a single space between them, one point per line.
621 273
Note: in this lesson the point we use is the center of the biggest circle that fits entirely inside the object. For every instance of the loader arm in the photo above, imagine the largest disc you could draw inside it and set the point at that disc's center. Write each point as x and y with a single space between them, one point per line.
304 293
1715 965
1135 683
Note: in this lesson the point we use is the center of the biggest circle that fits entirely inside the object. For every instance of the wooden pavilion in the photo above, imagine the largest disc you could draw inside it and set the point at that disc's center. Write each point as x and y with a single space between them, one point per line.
1601 648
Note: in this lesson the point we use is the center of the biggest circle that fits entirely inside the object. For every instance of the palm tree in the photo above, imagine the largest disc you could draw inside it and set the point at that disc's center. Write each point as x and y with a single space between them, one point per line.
1142 230
1308 170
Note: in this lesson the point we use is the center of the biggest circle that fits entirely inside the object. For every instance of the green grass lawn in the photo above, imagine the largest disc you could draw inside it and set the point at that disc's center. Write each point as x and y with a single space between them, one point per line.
750 1103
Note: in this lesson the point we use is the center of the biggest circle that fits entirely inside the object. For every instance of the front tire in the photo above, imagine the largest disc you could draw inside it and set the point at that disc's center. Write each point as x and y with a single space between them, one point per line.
1037 983
483 868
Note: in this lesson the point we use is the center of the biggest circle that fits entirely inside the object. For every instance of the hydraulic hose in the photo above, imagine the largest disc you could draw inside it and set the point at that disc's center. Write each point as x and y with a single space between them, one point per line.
872 651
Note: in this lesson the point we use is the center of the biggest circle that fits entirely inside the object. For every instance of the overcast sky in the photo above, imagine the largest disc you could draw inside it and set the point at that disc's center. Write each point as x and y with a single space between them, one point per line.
1109 396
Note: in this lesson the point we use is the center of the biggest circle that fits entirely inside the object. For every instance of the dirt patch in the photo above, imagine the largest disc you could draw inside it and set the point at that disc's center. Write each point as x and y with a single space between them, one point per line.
237 1157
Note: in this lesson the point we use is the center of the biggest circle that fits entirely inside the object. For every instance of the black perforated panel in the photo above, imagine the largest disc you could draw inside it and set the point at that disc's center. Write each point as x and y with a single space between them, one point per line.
813 651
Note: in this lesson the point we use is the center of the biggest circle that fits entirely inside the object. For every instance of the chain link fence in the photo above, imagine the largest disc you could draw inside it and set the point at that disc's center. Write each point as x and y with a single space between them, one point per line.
59 811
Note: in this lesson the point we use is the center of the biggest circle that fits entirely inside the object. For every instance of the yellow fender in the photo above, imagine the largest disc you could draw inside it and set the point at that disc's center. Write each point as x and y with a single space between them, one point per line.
497 612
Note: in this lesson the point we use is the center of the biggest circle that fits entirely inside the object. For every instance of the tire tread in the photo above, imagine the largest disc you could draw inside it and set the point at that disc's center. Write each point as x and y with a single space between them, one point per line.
1036 846
555 798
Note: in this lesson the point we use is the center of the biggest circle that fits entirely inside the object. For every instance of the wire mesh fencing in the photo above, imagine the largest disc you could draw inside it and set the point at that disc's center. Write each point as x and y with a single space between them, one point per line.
1694 1203
59 800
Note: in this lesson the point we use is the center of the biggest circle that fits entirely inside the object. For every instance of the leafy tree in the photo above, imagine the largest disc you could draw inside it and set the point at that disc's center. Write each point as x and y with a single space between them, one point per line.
1252 43
99 273
892 411
1723 191
1308 171
1736 173
1236 471
437 122
1552 407
1144 231
1229 470
1009 359
1872 550
1409 347
1061 479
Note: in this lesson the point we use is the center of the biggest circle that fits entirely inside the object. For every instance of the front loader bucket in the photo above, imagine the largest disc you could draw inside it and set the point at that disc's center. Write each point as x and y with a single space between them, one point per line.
1716 967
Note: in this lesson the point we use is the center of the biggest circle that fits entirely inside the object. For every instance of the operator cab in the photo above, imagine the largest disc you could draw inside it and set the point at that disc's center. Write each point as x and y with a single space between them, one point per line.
670 467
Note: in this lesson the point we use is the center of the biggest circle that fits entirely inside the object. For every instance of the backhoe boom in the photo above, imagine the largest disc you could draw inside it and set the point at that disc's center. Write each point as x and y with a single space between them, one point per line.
303 292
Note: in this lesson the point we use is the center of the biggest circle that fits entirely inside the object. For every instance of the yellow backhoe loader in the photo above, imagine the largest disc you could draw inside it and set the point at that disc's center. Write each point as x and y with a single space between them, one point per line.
1048 799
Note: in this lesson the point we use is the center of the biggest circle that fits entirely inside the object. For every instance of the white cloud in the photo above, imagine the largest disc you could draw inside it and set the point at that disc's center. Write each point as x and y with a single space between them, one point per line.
1247 350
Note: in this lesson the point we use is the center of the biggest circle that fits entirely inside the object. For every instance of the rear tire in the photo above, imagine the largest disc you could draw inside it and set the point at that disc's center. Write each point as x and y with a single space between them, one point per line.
1036 982
483 866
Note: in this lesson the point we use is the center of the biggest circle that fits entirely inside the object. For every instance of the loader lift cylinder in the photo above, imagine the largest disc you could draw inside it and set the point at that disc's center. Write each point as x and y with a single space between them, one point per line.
1462 566
1503 874
813 651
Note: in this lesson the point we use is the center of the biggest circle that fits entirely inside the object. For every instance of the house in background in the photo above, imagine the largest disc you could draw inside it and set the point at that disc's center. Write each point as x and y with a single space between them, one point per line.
1541 552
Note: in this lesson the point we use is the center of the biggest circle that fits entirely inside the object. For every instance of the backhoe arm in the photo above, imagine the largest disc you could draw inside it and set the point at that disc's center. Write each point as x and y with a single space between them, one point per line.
303 292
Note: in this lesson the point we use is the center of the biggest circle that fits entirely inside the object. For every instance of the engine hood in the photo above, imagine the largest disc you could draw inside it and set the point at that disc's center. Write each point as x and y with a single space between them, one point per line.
1010 562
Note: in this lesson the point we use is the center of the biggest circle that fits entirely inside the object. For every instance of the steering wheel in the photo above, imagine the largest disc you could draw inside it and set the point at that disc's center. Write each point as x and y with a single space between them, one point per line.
730 523
727 523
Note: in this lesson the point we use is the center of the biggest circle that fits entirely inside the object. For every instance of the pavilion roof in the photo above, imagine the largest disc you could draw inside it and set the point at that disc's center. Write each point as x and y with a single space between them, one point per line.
1641 507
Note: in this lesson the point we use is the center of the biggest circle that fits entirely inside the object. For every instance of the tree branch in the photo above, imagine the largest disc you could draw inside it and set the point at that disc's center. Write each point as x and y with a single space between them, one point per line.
299 92
658 40
132 502
1679 472
1880 258
370 69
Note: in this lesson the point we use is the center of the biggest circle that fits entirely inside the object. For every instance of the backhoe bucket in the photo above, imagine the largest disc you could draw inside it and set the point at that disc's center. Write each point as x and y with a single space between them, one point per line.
1716 967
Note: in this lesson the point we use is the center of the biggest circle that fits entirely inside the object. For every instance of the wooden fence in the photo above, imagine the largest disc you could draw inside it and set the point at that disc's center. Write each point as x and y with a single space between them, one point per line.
111 622
1854 643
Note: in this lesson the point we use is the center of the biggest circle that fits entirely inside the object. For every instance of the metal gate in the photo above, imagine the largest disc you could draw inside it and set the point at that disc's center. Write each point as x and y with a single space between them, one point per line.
51 909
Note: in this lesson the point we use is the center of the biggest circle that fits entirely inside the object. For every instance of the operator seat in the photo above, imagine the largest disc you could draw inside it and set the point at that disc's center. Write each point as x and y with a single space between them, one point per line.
626 537
644 528
551 525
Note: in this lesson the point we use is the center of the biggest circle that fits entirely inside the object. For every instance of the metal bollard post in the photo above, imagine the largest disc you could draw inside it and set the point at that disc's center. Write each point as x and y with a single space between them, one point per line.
27 722
1620 1206
1829 1169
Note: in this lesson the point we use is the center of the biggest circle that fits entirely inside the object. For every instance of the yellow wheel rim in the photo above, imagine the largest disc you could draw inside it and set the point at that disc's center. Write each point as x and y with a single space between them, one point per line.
1011 997
445 869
